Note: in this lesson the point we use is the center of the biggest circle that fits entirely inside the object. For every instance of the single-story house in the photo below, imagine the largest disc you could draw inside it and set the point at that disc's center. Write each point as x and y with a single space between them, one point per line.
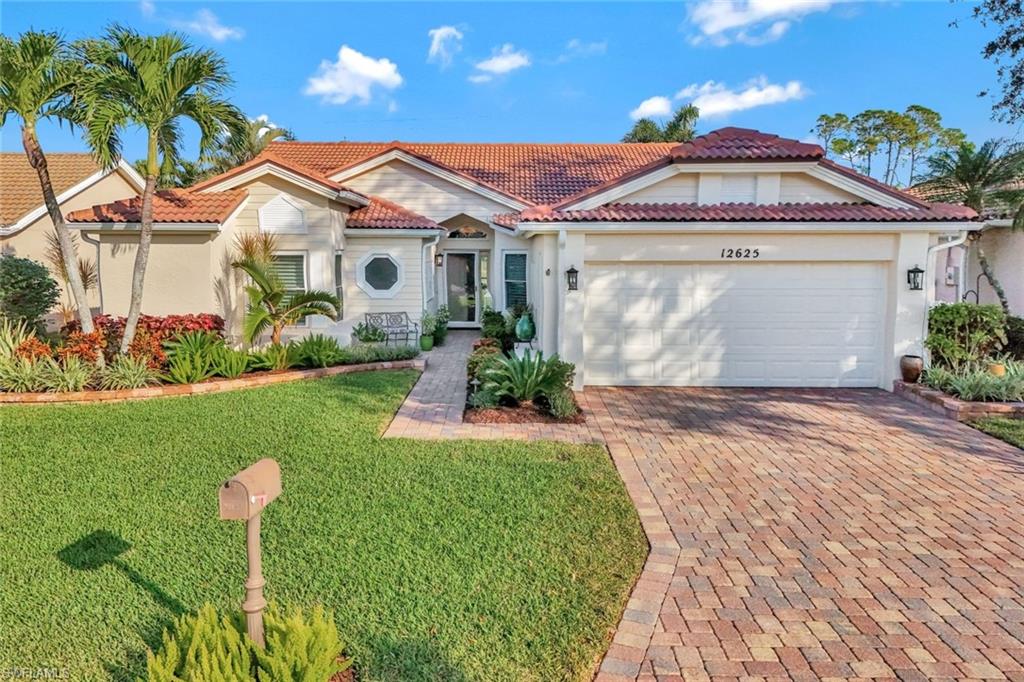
78 182
737 259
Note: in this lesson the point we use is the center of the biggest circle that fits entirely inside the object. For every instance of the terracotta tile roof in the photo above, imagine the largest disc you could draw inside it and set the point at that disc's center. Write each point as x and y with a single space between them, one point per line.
741 144
537 173
995 207
169 206
744 212
383 214
19 183
280 162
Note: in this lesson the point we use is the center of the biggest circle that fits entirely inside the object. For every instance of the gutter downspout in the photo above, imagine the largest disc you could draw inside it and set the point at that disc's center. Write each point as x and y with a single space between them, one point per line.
929 294
99 273
429 267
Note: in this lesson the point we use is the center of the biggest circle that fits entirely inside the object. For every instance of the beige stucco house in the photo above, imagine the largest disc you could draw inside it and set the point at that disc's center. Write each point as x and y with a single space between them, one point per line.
737 259
78 181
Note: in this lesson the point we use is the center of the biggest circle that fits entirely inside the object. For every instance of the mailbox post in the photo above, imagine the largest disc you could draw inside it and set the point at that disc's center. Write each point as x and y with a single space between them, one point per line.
242 498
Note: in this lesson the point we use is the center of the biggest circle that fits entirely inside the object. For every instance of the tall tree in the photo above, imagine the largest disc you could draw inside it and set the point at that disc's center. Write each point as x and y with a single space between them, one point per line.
981 178
1005 51
828 127
184 174
154 83
682 127
37 81
238 149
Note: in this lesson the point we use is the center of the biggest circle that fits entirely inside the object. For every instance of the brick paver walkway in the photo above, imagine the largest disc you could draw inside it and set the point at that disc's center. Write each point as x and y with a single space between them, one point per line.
802 534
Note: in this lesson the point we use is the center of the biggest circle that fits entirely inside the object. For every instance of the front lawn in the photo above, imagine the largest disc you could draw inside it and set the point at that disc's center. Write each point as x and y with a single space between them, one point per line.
1009 430
449 560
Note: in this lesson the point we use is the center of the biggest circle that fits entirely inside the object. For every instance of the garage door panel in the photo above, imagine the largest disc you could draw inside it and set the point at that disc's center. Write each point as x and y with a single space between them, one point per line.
742 324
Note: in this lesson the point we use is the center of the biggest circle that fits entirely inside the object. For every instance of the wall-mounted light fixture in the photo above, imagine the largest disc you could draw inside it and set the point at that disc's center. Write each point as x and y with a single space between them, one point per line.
572 278
439 260
915 278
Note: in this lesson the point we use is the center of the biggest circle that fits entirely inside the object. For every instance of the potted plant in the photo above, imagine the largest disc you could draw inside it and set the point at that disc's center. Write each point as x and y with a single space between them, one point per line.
368 335
443 316
428 327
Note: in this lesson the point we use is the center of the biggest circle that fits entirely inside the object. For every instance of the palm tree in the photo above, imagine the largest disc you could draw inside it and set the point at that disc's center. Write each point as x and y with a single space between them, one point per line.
87 270
184 174
982 178
37 81
681 128
153 82
273 307
238 149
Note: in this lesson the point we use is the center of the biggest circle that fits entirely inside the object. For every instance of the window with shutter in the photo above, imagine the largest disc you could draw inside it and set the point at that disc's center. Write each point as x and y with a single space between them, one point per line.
291 269
282 215
515 279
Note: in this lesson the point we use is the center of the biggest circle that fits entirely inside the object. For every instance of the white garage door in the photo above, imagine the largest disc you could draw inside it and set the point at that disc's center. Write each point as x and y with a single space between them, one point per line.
736 324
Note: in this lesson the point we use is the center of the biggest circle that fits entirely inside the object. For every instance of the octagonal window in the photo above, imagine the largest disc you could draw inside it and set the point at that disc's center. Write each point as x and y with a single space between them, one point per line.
380 275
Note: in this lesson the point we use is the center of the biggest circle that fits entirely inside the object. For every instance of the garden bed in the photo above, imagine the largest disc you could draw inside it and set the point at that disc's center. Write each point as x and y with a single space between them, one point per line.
954 408
527 413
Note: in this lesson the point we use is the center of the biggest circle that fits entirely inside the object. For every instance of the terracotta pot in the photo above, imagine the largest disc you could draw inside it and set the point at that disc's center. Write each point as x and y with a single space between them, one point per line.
911 367
997 369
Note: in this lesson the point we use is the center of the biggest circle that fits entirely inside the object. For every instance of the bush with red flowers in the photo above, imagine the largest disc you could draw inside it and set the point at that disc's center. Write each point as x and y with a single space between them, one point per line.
87 347
150 333
33 349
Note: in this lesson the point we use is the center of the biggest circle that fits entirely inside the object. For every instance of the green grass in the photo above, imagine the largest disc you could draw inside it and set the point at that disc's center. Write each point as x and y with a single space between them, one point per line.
451 560
1009 430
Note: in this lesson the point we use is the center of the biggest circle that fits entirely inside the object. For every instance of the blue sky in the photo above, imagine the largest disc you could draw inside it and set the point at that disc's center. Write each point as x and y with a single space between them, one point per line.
559 71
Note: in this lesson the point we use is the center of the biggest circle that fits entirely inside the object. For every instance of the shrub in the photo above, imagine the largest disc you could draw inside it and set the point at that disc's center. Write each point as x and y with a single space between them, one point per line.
151 332
939 378
495 325
358 355
146 346
1015 337
562 404
444 316
192 343
23 375
274 357
87 347
483 399
27 291
977 385
480 359
126 372
428 324
12 334
206 647
963 334
69 374
318 350
189 368
33 348
525 378
365 333
482 342
229 363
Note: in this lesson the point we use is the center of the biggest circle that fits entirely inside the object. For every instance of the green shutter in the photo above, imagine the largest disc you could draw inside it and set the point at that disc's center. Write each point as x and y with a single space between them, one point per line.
291 269
515 279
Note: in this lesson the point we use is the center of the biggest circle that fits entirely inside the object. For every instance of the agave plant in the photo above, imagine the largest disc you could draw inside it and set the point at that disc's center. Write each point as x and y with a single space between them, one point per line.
273 307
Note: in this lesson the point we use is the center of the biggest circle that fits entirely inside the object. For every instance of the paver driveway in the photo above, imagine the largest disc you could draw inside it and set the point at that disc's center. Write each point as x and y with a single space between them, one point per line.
815 534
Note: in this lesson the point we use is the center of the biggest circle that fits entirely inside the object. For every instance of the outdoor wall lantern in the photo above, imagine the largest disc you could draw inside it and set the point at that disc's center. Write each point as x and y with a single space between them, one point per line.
439 260
915 278
572 278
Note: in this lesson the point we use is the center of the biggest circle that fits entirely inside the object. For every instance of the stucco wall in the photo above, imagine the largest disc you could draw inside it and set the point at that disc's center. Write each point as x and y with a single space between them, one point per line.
408 251
1004 249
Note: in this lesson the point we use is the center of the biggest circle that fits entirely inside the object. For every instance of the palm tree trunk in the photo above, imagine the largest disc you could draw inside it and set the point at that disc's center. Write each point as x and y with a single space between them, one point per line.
37 159
142 253
986 269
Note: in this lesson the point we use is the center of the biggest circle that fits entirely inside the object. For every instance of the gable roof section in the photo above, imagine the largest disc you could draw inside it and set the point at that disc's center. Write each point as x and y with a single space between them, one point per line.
169 206
744 144
742 212
535 173
383 214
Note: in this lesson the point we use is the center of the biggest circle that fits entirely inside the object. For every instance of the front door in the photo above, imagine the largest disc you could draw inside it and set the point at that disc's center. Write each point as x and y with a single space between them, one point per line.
462 282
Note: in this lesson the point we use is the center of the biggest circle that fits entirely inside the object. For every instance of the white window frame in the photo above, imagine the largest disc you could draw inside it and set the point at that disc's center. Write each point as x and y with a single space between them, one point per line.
504 284
291 202
378 293
305 275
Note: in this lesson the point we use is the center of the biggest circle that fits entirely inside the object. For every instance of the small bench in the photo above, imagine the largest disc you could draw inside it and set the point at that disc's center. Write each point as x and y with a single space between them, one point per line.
396 327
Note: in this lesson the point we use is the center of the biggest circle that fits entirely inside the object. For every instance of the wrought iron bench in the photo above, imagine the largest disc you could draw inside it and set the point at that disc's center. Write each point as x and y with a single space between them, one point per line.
397 327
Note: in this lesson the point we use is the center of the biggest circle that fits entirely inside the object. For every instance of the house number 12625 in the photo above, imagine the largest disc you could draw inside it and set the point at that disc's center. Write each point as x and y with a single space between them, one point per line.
741 253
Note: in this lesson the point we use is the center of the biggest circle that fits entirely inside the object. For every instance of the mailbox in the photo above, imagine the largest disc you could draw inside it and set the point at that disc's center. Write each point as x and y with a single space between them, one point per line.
245 494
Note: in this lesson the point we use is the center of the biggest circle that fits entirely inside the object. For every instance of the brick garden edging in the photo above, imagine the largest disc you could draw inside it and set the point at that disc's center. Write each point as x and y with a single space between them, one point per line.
218 386
954 408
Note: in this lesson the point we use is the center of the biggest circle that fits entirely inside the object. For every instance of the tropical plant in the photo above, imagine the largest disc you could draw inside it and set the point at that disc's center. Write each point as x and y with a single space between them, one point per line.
1005 50
367 333
358 355
193 343
480 359
126 372
991 175
562 404
23 375
525 378
153 82
187 368
184 173
87 271
680 128
500 327
229 363
273 307
245 145
12 334
483 399
428 323
27 292
258 247
962 335
34 348
318 350
68 374
38 77
274 357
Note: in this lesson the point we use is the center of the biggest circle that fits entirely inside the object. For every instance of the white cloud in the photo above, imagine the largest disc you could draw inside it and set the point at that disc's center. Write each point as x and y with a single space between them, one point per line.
445 42
715 99
750 22
478 78
352 76
576 48
147 7
652 107
504 60
205 23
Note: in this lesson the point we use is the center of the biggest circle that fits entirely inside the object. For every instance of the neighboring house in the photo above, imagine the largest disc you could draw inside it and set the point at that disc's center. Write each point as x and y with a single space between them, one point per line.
958 275
78 183
737 259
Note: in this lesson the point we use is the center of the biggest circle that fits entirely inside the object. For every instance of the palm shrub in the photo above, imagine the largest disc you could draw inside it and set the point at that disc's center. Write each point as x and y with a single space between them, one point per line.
525 378
68 374
318 350
273 307
229 363
192 343
127 372
189 368
961 335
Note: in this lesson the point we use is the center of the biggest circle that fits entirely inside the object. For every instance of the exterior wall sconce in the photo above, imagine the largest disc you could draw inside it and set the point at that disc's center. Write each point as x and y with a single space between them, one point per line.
915 278
572 278
439 260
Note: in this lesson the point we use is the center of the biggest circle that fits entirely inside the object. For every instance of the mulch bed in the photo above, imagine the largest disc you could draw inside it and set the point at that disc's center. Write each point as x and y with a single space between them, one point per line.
526 413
